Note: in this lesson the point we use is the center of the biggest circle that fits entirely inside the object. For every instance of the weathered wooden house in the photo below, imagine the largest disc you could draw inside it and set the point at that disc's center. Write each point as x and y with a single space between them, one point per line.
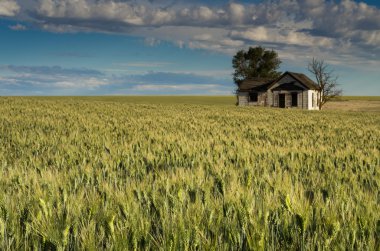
290 90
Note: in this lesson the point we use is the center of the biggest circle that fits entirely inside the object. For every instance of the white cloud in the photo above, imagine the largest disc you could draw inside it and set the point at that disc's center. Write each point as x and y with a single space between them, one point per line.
88 83
151 41
28 79
53 77
237 12
203 37
289 37
371 37
161 17
8 8
180 43
327 18
204 13
303 26
165 87
258 34
82 9
148 64
232 43
17 27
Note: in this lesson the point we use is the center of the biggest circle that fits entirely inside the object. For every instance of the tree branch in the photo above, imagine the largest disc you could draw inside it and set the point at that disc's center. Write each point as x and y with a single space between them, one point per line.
326 81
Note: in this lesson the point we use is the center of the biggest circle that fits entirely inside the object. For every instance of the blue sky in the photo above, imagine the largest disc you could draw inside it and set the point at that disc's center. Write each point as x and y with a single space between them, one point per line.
164 47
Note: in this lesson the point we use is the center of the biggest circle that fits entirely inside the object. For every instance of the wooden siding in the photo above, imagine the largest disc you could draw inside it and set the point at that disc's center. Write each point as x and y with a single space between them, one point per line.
243 98
271 98
299 98
305 100
288 100
262 96
275 99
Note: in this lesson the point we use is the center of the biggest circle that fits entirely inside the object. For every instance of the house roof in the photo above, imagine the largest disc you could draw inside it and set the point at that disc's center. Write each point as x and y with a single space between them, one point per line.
303 79
263 84
257 84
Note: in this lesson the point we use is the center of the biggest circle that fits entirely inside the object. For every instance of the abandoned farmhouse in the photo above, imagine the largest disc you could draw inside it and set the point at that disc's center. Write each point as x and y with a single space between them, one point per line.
290 90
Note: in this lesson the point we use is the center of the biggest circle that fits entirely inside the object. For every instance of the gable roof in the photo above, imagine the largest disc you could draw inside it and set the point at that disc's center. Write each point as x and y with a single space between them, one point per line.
288 87
263 84
256 84
303 79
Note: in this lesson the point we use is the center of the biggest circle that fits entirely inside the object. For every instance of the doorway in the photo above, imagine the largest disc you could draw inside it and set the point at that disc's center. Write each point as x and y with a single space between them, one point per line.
281 100
294 99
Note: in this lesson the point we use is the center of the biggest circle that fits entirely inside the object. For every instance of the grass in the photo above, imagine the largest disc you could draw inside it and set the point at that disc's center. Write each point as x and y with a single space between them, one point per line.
132 173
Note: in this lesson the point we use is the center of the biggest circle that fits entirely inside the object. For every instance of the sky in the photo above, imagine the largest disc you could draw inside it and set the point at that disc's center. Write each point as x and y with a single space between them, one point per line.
179 47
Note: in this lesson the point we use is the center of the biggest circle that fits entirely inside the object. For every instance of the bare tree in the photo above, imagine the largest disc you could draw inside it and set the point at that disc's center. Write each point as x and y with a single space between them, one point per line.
326 81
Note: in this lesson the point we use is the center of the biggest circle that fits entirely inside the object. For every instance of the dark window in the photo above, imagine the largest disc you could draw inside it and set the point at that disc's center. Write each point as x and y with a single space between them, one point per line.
253 97
294 99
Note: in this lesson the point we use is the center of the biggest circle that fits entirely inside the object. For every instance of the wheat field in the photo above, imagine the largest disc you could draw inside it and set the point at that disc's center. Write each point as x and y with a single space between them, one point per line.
103 174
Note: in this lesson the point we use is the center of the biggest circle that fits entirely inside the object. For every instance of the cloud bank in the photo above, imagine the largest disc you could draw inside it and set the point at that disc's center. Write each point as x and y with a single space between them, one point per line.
342 32
45 80
9 8
293 27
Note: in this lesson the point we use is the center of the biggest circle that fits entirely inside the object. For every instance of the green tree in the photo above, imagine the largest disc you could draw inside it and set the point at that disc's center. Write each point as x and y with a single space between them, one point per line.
255 62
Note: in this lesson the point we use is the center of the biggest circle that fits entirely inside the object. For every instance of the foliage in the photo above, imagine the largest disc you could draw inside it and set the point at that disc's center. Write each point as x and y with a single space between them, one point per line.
326 81
255 62
83 174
